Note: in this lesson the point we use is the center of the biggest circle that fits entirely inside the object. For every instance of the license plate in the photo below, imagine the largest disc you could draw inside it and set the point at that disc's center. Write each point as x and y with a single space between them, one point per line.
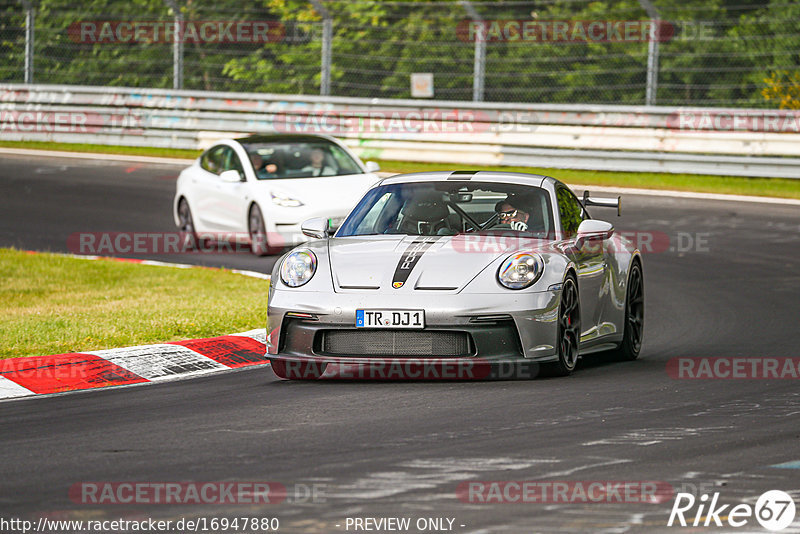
390 319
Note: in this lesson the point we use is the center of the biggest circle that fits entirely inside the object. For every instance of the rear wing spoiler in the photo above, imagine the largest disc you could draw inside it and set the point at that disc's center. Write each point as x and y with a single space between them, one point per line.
603 202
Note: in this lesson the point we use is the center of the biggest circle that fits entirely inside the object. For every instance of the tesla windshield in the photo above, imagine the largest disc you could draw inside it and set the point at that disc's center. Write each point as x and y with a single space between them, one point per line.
449 208
299 160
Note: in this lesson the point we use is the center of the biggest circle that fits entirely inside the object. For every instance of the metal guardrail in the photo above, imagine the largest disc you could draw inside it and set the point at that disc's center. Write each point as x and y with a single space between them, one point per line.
617 138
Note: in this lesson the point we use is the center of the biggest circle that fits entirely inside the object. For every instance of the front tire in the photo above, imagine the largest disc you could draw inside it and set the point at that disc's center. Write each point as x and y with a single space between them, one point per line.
186 224
569 328
631 344
259 244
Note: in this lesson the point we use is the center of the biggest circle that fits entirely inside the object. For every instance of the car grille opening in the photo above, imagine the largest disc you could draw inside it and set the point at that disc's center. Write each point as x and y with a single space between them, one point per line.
403 343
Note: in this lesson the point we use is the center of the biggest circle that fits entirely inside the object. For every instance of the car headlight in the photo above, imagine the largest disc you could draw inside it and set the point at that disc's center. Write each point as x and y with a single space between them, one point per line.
298 268
520 270
282 199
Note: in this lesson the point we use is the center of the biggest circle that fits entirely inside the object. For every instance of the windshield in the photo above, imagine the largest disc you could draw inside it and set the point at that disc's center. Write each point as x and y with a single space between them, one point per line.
300 160
450 208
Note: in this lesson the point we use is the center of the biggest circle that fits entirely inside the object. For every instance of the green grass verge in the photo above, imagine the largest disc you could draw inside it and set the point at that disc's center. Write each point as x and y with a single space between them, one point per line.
731 185
104 149
52 304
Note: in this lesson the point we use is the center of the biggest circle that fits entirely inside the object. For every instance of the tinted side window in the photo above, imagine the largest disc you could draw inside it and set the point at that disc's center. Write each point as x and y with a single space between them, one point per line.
344 162
230 161
570 210
213 159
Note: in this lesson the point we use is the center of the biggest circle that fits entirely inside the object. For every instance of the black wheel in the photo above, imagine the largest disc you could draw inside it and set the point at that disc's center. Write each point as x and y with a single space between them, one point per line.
190 239
569 328
259 244
634 317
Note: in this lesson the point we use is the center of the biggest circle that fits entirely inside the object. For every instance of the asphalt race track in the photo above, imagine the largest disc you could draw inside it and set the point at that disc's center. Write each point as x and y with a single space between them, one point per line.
729 287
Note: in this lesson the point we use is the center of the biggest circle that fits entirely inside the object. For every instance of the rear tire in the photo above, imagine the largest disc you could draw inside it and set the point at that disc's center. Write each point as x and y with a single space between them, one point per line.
569 329
631 344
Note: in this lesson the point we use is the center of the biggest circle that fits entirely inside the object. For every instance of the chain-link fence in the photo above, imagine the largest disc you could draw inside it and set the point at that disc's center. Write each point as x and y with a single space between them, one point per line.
743 53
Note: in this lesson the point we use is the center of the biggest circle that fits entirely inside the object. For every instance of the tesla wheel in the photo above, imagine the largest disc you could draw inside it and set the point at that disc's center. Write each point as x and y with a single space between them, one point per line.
634 316
259 244
190 239
569 328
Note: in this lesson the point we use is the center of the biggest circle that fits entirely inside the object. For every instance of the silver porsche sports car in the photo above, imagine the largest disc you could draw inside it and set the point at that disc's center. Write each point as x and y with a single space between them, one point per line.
467 270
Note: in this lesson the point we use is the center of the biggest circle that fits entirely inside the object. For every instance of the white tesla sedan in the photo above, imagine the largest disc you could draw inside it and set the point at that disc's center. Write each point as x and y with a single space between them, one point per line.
259 189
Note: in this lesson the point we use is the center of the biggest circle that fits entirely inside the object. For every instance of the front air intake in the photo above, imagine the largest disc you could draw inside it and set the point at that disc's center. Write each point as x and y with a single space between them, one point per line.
397 343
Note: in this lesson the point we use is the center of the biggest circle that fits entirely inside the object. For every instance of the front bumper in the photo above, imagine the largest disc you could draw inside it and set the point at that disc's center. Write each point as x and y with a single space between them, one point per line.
501 328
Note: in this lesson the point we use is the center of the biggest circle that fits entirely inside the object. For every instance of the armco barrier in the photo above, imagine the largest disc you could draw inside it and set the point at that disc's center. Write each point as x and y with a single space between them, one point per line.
619 138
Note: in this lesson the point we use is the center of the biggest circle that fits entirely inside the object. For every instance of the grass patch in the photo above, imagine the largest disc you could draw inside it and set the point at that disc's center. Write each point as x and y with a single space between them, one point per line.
52 304
104 149
731 185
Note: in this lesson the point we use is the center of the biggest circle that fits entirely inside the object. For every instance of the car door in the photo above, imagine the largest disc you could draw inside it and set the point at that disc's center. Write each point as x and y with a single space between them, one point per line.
220 204
589 258
204 185
232 196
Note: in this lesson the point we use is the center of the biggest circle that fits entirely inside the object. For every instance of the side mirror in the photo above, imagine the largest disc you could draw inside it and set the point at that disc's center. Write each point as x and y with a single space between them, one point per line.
603 202
372 166
333 224
316 228
231 177
593 229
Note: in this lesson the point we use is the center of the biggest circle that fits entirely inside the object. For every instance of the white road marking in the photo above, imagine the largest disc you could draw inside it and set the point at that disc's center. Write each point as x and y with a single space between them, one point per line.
156 263
159 362
252 274
94 156
259 334
10 389
648 436
428 474
570 472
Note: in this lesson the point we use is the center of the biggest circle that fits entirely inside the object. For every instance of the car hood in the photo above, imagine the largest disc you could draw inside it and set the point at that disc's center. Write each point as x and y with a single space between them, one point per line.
444 263
336 192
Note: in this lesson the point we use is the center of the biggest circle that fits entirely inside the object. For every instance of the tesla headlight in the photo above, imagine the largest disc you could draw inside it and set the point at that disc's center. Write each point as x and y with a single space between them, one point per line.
298 268
520 270
282 199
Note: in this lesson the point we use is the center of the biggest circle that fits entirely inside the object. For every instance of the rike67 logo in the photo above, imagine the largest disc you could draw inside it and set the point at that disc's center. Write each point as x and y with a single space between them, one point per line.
774 510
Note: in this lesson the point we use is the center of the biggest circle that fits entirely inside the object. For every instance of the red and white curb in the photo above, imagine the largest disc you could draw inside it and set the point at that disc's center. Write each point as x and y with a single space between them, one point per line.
59 373
76 371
